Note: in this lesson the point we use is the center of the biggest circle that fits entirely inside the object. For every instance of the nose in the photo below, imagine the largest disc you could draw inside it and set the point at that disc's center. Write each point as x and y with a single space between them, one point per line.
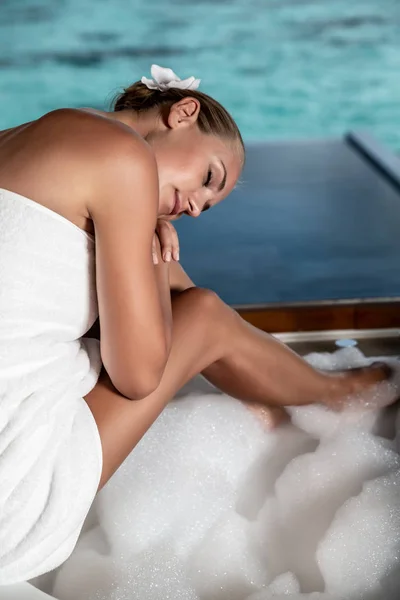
193 209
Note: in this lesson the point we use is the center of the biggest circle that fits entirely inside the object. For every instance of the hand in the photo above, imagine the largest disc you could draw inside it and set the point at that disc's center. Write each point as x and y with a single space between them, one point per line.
169 241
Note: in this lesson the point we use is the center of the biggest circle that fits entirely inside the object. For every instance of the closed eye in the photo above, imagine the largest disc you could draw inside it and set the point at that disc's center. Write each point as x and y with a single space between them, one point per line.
208 178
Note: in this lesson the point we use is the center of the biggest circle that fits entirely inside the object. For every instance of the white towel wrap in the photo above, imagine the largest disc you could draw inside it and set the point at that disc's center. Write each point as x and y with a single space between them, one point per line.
50 450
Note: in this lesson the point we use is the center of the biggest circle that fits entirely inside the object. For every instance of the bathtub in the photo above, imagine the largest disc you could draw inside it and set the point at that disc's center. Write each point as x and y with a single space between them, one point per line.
372 342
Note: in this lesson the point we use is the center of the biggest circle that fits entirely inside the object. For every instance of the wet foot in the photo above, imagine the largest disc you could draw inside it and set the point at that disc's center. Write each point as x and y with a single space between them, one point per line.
355 384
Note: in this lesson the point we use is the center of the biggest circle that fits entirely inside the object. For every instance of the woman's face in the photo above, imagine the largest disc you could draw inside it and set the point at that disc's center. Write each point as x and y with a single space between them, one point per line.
196 171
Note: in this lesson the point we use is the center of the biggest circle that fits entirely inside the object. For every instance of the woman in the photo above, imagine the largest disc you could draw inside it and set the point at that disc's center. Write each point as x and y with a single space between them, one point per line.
82 194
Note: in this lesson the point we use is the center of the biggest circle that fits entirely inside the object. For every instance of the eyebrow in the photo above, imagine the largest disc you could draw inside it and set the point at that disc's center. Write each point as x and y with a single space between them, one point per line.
223 182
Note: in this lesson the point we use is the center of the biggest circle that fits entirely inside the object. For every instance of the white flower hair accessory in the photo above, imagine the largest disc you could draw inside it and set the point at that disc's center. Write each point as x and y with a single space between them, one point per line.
165 79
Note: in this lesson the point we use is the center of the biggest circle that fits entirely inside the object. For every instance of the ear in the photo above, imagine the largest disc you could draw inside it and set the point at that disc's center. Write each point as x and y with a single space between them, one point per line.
184 113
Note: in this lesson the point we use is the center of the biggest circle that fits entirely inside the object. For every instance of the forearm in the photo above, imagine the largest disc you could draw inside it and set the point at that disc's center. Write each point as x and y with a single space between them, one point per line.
163 285
177 281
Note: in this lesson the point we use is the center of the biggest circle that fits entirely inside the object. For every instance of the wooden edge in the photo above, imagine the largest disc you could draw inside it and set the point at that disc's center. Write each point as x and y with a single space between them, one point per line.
323 317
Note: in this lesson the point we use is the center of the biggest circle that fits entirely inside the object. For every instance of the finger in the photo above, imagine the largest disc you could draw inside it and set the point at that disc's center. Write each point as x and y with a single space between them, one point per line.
164 234
175 243
154 250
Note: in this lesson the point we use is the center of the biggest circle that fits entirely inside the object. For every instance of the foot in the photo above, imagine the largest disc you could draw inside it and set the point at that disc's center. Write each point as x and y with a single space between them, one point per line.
358 384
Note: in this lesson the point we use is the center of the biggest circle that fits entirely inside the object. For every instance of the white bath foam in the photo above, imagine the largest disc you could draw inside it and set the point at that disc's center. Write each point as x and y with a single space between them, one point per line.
364 537
286 586
341 359
183 474
75 578
205 459
267 536
397 431
225 564
320 422
345 358
155 574
315 485
267 595
285 443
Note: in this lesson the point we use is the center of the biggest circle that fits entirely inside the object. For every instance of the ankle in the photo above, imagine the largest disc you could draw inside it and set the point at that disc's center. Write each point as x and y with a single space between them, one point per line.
354 382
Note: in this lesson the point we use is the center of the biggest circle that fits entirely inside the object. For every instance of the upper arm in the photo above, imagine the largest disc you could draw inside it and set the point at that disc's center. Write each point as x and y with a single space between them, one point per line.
124 210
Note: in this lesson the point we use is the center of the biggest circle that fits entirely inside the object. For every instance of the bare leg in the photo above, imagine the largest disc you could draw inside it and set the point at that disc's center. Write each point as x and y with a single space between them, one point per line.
199 338
267 375
249 373
259 368
210 337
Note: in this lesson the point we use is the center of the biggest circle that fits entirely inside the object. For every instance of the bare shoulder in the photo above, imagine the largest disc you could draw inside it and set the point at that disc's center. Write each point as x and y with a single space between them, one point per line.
95 135
103 154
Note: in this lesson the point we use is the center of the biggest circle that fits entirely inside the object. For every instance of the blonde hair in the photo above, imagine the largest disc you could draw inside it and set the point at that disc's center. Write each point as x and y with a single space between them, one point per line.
213 118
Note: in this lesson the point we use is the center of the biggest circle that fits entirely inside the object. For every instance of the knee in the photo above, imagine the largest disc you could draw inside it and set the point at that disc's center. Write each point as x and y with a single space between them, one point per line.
206 302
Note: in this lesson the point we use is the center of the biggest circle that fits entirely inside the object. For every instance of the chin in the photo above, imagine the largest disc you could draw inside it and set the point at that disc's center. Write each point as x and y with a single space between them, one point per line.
171 217
162 213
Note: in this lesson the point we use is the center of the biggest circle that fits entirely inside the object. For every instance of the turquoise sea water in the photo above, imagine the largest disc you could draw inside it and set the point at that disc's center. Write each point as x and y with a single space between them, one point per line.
284 68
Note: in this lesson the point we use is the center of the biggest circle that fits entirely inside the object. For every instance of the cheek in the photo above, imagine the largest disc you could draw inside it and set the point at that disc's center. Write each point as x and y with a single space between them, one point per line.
180 166
194 168
186 173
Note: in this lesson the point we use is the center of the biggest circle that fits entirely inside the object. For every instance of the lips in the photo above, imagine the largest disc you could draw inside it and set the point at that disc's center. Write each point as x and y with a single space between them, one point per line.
177 206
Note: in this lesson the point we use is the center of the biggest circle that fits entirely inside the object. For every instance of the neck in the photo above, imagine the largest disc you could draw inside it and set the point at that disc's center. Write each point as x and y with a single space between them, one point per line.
143 123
